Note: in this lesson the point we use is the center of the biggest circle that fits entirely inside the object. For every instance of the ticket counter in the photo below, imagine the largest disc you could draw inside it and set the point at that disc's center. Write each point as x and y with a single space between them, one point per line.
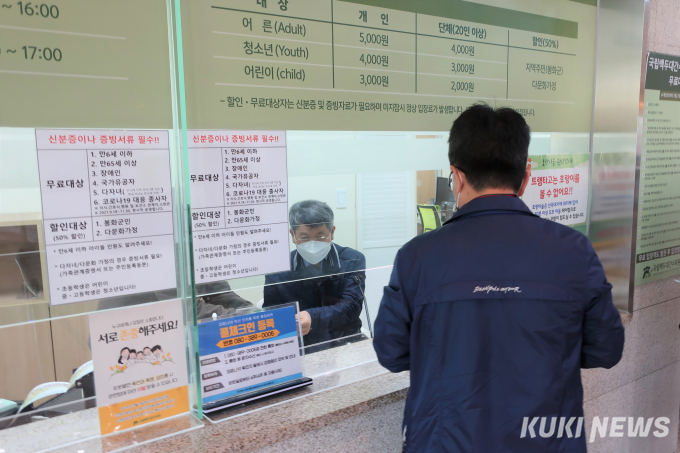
165 165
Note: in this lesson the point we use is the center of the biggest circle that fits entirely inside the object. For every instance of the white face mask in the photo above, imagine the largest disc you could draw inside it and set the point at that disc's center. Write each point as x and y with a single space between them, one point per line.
313 251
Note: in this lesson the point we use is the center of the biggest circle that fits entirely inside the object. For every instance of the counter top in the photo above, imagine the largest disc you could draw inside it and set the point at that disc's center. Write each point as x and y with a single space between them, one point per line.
348 381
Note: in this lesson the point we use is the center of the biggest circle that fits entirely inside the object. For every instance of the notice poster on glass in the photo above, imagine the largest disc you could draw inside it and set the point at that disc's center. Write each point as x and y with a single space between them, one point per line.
243 354
239 203
140 367
558 188
657 234
107 212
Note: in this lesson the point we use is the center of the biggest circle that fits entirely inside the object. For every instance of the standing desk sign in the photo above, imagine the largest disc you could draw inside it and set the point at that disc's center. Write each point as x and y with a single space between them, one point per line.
657 234
558 188
239 203
107 212
246 353
140 366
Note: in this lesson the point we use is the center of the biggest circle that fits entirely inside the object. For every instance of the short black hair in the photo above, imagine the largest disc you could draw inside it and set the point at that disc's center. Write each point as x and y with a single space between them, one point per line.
491 146
156 348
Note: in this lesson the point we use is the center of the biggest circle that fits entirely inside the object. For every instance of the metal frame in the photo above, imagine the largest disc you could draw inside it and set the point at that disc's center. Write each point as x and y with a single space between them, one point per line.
638 157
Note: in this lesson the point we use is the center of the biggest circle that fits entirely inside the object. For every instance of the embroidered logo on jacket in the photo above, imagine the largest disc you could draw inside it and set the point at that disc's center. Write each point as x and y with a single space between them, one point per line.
490 288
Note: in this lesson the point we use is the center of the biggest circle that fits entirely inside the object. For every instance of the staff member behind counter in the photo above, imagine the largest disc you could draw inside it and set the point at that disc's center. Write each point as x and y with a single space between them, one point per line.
327 280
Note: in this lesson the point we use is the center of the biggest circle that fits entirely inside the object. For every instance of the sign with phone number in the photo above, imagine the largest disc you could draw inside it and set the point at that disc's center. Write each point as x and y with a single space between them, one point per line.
249 352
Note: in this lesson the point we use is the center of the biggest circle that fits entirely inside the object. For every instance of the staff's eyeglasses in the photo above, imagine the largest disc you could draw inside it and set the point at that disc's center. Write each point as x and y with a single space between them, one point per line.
318 239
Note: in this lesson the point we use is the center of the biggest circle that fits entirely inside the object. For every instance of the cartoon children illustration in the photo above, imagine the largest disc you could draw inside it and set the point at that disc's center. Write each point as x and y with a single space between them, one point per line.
148 356
124 355
129 357
122 362
133 357
157 351
160 355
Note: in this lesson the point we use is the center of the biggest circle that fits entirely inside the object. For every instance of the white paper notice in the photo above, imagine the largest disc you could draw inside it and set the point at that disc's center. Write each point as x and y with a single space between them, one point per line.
107 211
559 194
239 203
140 365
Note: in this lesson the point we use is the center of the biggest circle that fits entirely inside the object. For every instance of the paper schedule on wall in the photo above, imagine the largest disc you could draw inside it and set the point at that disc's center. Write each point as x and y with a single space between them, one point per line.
239 203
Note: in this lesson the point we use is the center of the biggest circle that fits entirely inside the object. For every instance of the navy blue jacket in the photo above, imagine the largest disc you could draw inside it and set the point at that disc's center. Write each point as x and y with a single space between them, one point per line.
333 300
495 314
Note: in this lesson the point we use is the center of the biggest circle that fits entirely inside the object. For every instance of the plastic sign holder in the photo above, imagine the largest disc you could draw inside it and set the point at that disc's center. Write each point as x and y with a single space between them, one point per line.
245 357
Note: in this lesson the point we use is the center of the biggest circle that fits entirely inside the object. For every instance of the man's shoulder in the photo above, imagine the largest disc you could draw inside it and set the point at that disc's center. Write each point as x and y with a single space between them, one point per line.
348 253
538 228
568 235
424 241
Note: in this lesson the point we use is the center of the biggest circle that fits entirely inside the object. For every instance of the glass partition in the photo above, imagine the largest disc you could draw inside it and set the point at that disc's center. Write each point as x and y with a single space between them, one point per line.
181 164
378 210
91 218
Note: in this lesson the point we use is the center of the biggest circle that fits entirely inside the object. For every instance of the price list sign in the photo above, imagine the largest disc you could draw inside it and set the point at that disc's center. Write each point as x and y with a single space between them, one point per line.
239 203
387 65
657 220
107 212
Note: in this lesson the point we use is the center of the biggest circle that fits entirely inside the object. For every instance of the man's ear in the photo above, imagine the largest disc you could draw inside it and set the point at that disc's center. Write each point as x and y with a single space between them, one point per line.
292 235
458 179
525 181
332 232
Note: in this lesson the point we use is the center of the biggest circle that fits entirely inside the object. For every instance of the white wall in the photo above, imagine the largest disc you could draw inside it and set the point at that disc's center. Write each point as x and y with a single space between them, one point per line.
324 188
19 182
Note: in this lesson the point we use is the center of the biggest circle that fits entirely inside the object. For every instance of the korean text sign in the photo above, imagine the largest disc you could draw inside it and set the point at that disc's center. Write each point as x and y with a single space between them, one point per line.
140 366
246 353
107 212
239 203
657 236
558 188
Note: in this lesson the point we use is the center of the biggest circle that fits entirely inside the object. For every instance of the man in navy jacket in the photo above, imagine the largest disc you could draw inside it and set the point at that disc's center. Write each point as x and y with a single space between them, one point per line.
327 280
495 313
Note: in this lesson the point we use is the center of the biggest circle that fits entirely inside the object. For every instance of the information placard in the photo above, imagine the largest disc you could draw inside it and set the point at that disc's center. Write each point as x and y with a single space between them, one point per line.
107 212
387 64
140 367
558 188
239 203
657 232
246 353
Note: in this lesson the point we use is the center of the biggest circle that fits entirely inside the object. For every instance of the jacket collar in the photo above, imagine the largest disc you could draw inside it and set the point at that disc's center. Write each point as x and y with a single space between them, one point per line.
491 203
